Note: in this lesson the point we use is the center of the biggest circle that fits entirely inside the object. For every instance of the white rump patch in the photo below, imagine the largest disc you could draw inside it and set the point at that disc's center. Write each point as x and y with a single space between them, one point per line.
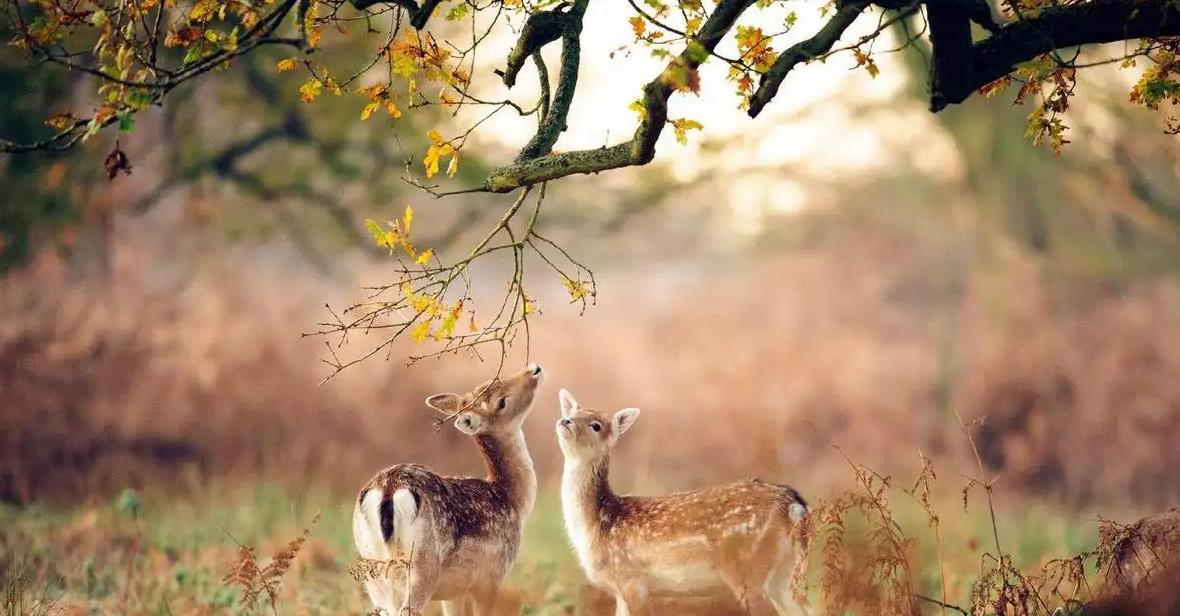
405 511
796 511
366 527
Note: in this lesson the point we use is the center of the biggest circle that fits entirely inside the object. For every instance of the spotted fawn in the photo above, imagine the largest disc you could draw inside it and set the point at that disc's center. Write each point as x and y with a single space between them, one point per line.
734 538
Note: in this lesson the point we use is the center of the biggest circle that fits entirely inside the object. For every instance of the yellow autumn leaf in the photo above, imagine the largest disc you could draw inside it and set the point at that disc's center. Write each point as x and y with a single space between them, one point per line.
638 26
447 327
404 66
202 11
420 331
408 247
457 12
383 237
60 121
407 220
682 126
576 288
285 65
374 228
367 112
433 154
423 304
994 88
637 107
434 136
392 109
310 90
865 60
425 257
453 167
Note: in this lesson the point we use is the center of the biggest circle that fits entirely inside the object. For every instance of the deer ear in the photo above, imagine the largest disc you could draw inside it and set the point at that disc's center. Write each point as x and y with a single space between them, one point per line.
444 403
468 423
623 420
568 404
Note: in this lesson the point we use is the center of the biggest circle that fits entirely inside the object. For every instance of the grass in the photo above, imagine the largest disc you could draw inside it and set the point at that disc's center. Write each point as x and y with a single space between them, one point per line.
143 554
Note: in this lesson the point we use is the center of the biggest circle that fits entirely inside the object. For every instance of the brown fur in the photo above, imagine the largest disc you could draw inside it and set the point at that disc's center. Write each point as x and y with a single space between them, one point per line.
735 538
463 537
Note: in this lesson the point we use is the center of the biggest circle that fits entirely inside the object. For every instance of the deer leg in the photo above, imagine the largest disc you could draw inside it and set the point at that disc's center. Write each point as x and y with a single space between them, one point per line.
778 587
752 597
790 560
508 603
455 607
421 581
631 600
757 603
382 595
484 600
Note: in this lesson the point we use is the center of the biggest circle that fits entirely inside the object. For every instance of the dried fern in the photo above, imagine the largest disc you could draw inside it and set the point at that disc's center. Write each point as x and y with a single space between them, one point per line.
867 571
255 581
244 573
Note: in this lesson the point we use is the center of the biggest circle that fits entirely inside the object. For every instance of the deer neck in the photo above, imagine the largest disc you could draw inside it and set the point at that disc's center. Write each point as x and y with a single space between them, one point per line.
587 505
586 492
510 467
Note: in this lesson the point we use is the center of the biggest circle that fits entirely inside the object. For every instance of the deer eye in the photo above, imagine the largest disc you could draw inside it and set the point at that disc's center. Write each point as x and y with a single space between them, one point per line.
501 404
595 426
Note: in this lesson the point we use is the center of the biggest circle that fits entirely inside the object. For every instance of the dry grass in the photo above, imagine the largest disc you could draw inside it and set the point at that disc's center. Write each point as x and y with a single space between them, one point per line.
873 550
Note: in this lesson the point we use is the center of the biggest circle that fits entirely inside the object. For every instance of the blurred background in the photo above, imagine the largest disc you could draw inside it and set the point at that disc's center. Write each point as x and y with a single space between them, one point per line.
846 270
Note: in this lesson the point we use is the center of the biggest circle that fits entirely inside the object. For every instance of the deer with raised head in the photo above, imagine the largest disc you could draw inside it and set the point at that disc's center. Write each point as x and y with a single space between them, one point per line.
736 538
457 536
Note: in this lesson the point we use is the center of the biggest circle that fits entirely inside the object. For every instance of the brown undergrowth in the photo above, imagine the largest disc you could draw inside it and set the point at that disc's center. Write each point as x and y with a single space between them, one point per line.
186 365
861 560
256 582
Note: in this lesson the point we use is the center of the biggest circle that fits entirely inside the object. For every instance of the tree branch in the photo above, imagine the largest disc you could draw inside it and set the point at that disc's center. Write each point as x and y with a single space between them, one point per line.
540 29
950 43
546 97
553 122
419 15
804 51
641 148
1094 22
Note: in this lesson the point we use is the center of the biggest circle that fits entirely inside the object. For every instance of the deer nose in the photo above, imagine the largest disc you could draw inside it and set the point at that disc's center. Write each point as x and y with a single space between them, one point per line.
533 369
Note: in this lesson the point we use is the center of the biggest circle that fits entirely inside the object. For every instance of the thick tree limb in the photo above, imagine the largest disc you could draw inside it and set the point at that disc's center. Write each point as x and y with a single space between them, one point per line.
540 29
950 43
804 51
641 148
553 122
1094 22
419 14
978 11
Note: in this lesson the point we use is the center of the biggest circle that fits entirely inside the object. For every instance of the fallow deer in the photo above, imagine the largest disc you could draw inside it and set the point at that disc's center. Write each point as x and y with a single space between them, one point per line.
736 538
458 536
